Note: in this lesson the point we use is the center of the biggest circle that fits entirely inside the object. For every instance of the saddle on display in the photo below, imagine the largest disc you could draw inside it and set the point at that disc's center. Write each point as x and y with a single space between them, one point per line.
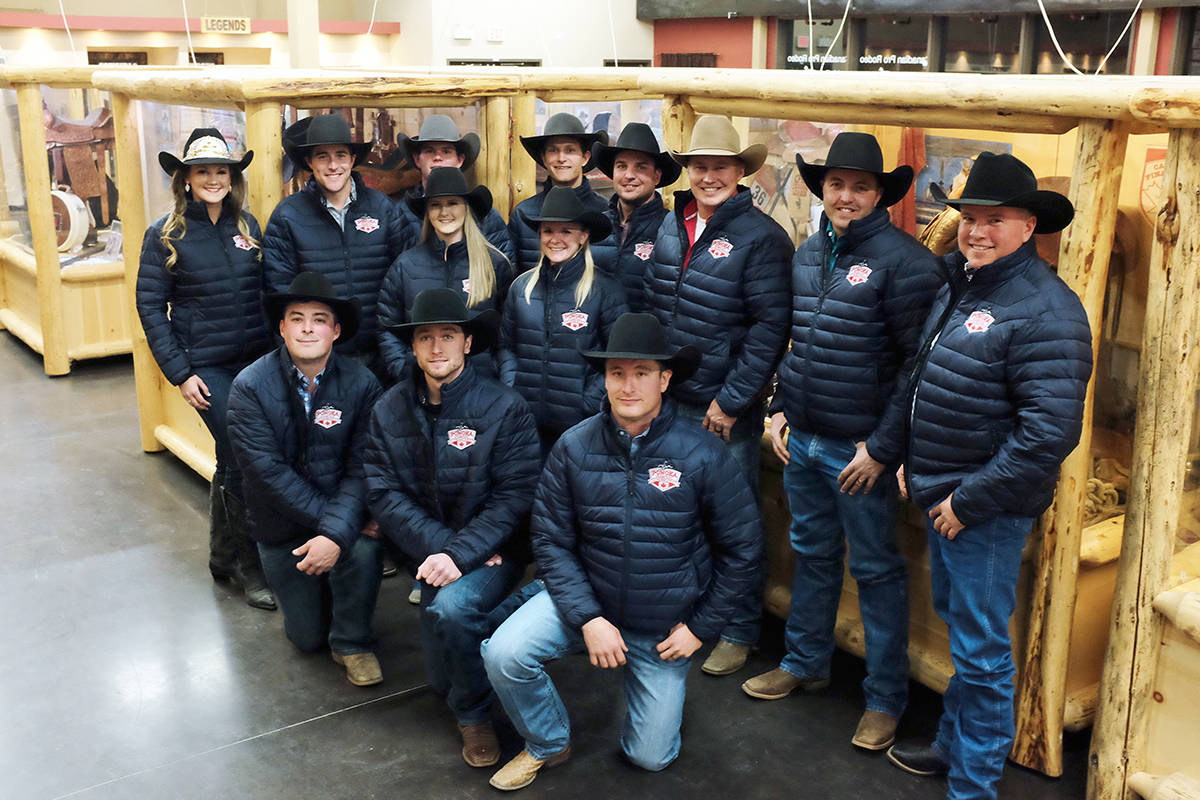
79 158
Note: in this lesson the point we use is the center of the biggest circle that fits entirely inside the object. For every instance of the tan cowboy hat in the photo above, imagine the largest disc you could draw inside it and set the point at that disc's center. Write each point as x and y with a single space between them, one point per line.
716 136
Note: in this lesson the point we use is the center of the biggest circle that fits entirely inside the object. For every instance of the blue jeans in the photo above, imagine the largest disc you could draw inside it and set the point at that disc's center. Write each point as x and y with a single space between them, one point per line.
824 521
535 634
974 587
219 379
745 445
337 606
453 623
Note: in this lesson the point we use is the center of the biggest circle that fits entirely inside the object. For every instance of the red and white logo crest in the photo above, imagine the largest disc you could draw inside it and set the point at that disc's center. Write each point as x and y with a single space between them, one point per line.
327 416
366 224
644 250
664 478
241 243
574 320
858 274
979 321
466 285
720 248
460 438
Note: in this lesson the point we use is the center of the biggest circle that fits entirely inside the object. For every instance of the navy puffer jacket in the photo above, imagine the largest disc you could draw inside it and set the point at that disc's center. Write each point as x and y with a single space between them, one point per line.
525 236
302 235
668 533
541 340
999 386
461 484
855 328
730 300
493 226
214 290
302 474
627 251
430 265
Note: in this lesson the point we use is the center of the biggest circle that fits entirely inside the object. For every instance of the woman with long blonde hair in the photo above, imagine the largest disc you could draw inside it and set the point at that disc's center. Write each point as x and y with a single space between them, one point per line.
561 307
199 291
452 254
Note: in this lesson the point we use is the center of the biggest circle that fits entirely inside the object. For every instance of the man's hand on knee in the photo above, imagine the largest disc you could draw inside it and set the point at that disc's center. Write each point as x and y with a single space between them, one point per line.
438 570
681 643
319 554
606 648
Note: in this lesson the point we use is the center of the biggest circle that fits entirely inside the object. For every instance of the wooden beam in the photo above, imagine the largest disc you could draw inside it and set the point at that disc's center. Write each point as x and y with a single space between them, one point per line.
1169 362
264 177
147 378
1182 609
206 88
497 153
41 226
679 117
523 170
1083 264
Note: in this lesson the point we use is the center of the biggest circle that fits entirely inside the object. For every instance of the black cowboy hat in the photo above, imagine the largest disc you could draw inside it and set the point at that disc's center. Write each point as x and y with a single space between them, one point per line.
301 137
450 182
309 286
1005 180
204 146
562 205
565 124
642 336
447 307
638 136
858 151
440 128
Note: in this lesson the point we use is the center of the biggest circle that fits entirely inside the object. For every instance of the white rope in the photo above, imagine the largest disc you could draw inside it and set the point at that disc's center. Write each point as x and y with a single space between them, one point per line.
838 35
187 27
810 34
70 38
612 32
371 24
1063 56
1124 31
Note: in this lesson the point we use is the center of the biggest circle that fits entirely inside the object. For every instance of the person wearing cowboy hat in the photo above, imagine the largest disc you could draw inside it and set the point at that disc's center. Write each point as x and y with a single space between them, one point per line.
645 534
439 145
198 288
565 150
638 169
552 312
335 225
861 290
718 279
297 424
994 405
452 253
451 464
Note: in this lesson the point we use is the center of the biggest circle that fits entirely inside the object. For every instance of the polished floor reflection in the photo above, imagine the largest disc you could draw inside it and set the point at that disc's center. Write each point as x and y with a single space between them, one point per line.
127 673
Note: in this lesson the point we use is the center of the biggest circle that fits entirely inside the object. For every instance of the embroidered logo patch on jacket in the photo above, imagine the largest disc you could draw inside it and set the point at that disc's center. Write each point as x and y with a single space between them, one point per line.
859 273
461 437
327 416
242 243
644 250
664 477
366 224
720 248
979 321
466 285
574 320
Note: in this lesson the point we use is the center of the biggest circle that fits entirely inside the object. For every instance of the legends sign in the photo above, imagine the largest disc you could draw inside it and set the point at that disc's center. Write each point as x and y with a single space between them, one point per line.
234 25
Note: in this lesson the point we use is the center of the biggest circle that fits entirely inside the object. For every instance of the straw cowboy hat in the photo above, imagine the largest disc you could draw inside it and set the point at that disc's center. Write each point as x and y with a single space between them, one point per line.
858 151
716 136
564 124
562 205
301 137
1005 180
447 307
440 128
204 146
642 336
450 182
309 286
638 136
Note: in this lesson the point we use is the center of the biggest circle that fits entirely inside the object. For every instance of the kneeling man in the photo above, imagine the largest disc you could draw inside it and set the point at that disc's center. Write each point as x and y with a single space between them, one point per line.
452 462
646 534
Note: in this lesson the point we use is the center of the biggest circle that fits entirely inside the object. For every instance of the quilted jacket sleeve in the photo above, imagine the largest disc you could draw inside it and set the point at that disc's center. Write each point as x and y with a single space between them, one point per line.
396 354
155 288
280 263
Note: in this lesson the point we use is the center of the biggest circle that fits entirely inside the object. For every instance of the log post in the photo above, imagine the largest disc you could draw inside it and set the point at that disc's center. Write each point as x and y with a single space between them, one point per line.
497 154
1083 264
678 120
524 123
1169 361
41 227
264 178
147 378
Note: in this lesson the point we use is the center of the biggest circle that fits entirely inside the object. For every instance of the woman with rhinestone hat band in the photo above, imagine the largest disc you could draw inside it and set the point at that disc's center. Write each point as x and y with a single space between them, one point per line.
453 253
198 296
560 307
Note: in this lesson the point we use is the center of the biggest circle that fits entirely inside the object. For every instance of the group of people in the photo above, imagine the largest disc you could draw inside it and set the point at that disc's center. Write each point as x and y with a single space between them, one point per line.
585 388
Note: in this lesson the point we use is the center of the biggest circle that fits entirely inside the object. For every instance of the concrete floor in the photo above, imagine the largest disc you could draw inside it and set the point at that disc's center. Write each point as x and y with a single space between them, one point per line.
129 674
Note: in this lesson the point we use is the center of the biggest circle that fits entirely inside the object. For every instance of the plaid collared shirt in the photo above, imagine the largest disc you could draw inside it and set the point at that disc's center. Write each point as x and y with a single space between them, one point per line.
339 214
302 385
